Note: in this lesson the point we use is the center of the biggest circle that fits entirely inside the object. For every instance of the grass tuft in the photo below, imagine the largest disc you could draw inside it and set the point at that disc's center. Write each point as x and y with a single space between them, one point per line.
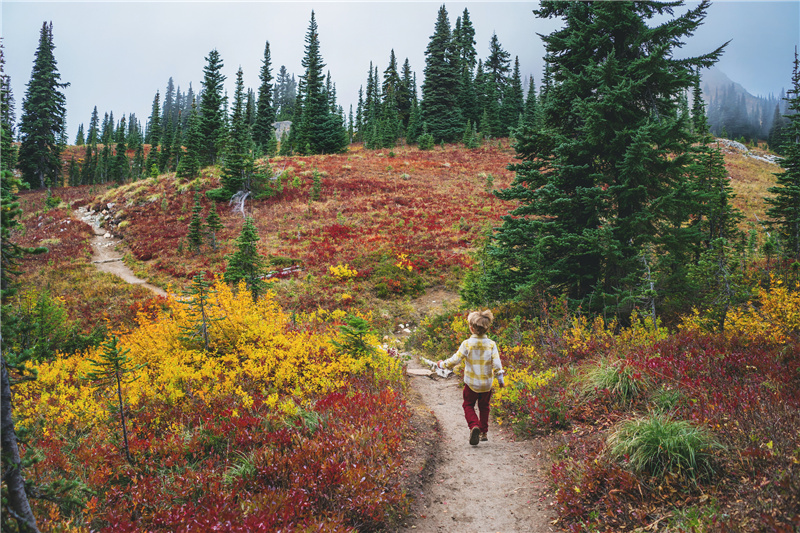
657 445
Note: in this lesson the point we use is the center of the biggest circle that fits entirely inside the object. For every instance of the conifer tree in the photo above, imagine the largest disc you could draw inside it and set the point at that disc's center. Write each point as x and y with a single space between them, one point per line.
785 205
263 130
121 165
465 45
93 137
195 235
513 100
238 164
213 224
606 178
80 137
532 116
405 93
440 90
15 495
212 116
8 151
197 298
315 129
153 134
246 264
189 165
43 114
113 367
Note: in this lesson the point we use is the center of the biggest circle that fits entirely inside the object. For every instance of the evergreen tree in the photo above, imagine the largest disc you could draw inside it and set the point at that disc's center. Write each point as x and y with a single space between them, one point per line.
15 496
213 224
212 116
785 210
465 42
405 94
513 101
440 90
43 114
315 129
531 115
197 298
93 137
263 130
154 132
285 94
8 151
113 367
246 264
605 181
195 235
238 164
121 165
496 68
80 137
189 165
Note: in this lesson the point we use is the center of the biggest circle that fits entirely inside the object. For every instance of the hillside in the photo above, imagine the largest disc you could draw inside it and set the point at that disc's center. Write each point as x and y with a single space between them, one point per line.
295 412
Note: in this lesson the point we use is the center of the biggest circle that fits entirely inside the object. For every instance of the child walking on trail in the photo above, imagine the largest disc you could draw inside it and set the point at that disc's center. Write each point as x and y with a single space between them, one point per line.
481 365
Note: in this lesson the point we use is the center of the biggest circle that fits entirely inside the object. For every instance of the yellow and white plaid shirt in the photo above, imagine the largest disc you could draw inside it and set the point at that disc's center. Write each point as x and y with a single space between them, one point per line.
481 358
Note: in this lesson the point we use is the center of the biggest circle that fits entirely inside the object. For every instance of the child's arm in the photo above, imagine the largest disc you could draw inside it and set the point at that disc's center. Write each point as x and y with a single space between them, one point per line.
497 365
454 359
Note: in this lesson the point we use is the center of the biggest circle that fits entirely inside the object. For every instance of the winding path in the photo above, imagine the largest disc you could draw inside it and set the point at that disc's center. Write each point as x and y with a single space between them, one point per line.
496 486
105 256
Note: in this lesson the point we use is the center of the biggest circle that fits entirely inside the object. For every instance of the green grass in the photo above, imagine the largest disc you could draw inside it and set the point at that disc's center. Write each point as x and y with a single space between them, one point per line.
657 445
622 381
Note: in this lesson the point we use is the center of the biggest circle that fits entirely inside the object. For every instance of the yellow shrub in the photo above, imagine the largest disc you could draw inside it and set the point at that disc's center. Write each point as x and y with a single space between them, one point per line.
343 272
775 318
252 350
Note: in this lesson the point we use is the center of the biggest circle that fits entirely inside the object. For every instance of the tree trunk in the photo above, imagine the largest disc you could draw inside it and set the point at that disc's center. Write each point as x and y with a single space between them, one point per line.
12 475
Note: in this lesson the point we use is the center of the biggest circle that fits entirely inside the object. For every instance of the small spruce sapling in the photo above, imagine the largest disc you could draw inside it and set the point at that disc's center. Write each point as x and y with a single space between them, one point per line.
197 299
113 367
246 264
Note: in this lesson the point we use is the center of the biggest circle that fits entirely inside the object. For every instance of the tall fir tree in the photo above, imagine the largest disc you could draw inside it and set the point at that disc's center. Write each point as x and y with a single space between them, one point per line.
315 129
43 114
195 235
784 212
8 150
532 117
212 115
465 43
440 90
605 180
238 164
189 165
263 130
153 134
513 100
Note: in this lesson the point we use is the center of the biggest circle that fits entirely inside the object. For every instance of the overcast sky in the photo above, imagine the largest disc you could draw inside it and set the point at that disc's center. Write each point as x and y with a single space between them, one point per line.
116 55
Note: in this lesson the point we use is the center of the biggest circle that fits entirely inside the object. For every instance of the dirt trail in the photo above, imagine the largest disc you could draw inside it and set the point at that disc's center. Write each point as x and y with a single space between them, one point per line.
496 486
105 256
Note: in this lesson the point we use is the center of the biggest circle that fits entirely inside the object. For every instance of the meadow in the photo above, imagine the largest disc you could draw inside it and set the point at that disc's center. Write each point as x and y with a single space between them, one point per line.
292 412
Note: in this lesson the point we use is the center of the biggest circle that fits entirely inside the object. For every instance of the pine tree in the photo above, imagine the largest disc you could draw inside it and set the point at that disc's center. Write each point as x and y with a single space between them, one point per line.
605 179
212 116
246 264
197 298
439 108
213 224
315 129
80 137
8 151
785 210
121 165
189 165
531 115
263 130
43 114
238 164
10 256
153 135
513 101
195 235
113 367
465 42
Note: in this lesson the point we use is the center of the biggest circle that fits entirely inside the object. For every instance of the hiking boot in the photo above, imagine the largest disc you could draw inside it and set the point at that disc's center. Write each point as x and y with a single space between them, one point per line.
484 438
474 436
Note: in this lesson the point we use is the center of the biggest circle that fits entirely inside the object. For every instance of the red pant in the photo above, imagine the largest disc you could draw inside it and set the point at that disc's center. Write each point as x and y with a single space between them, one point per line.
482 398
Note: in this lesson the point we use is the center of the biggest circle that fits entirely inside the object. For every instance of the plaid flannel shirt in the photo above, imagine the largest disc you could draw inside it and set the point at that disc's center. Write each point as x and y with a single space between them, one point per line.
481 360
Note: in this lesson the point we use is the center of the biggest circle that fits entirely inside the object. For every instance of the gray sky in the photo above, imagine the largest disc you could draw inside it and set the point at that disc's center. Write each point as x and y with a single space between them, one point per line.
116 55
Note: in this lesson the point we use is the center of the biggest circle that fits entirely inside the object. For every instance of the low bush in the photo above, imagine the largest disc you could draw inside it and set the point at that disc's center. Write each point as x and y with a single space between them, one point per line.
656 445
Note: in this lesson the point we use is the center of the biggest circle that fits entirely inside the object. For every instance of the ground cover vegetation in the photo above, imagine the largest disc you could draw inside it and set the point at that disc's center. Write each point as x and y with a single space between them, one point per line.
644 311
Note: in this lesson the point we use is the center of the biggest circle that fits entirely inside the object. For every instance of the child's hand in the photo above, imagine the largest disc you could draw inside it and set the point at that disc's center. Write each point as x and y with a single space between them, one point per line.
501 381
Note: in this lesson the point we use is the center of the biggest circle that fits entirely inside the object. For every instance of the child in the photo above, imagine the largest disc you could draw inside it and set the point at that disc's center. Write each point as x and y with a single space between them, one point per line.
482 359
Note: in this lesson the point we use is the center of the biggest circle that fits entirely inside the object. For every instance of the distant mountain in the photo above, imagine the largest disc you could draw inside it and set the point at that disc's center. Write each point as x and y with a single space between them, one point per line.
732 110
